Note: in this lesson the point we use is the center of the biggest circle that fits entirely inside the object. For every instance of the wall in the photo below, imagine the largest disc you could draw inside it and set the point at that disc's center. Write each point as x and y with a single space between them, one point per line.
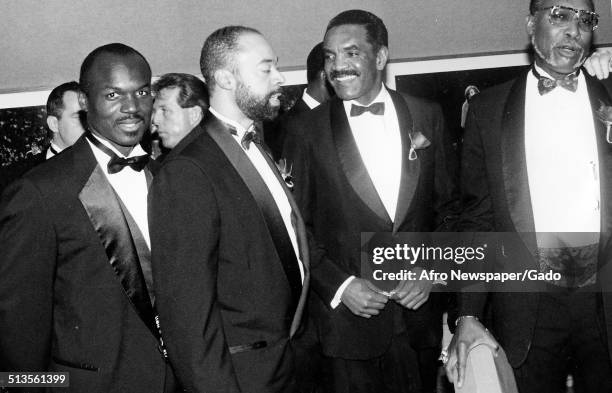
44 41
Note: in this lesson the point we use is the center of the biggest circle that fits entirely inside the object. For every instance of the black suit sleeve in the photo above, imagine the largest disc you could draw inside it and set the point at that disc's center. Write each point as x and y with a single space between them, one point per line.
326 276
477 209
27 266
446 201
184 222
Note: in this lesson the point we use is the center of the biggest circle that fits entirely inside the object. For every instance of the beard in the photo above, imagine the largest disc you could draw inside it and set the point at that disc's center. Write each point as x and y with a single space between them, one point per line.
257 108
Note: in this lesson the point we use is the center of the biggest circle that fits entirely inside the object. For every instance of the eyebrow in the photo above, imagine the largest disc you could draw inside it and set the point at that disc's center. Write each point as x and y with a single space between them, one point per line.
269 61
110 87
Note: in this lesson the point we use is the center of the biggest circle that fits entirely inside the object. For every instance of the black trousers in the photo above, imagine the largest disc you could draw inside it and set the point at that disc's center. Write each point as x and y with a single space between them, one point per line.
569 338
402 369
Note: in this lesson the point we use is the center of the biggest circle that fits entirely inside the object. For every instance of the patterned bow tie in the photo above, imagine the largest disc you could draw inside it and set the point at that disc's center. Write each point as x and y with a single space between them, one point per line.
251 135
116 163
377 108
546 85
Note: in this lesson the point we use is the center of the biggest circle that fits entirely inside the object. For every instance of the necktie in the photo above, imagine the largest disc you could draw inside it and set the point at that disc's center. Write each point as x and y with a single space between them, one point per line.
55 152
116 163
546 85
377 108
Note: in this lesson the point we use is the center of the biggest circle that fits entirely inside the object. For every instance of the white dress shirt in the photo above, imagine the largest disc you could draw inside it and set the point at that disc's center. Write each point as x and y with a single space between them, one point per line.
50 152
273 184
379 142
130 185
562 160
309 100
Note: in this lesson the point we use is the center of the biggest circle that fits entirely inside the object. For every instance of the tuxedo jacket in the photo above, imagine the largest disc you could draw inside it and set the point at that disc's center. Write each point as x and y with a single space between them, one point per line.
72 292
339 201
275 131
495 193
10 173
223 292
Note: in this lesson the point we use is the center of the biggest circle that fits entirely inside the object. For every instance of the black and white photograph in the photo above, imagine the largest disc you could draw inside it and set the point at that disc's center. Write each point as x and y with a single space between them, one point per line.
341 196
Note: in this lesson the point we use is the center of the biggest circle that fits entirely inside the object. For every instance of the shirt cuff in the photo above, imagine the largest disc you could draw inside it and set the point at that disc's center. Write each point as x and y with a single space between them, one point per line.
337 297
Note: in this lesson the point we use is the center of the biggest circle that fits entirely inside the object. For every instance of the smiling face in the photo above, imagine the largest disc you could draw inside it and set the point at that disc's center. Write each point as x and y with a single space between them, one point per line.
352 65
258 81
560 50
118 101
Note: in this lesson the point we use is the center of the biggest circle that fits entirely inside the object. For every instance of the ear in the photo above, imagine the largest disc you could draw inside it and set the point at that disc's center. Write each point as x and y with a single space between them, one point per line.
195 115
53 124
530 23
322 76
381 58
83 102
225 79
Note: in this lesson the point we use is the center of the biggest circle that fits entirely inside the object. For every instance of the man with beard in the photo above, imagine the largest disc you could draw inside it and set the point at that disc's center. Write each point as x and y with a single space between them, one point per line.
537 161
75 275
369 160
230 257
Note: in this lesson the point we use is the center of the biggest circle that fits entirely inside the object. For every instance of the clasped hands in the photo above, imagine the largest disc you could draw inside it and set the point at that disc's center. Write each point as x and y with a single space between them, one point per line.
362 298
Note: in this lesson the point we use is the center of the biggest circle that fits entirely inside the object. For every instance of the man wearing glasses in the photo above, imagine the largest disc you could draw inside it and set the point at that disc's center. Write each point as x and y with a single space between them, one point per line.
536 162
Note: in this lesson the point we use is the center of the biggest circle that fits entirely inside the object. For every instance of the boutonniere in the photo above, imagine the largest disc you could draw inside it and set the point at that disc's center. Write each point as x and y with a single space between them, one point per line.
285 170
418 141
604 114
34 150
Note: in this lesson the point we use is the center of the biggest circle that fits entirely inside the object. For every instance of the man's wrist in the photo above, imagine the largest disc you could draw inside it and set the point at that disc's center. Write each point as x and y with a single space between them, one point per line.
462 317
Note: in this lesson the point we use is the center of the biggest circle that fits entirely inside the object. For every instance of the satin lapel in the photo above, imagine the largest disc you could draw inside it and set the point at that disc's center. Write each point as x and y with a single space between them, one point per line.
597 96
263 197
302 239
410 169
106 215
514 163
351 162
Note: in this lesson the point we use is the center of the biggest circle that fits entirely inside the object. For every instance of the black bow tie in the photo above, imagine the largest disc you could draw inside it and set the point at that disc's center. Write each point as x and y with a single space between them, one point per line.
546 85
377 108
251 135
116 163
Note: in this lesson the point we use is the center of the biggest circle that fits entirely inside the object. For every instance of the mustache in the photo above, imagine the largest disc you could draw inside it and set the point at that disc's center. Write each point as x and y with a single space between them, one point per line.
276 91
339 74
135 116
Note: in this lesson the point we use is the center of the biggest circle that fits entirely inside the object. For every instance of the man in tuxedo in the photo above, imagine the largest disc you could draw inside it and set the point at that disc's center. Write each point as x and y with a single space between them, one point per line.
317 91
75 277
537 162
64 117
369 160
230 257
180 103
63 121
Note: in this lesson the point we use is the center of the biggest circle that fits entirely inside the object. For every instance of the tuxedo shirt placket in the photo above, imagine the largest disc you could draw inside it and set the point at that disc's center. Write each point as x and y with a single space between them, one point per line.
130 186
561 158
380 146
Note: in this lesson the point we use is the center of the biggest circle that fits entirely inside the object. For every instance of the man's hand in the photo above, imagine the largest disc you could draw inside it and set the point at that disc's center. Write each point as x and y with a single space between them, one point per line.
470 333
598 64
412 294
362 300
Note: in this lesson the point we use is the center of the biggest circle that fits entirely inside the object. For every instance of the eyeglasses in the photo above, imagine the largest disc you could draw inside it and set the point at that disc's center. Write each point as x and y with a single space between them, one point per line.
563 16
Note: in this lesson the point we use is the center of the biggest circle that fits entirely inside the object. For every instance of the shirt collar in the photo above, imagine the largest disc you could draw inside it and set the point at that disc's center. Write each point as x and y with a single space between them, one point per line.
309 100
240 130
541 71
383 96
136 151
56 147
